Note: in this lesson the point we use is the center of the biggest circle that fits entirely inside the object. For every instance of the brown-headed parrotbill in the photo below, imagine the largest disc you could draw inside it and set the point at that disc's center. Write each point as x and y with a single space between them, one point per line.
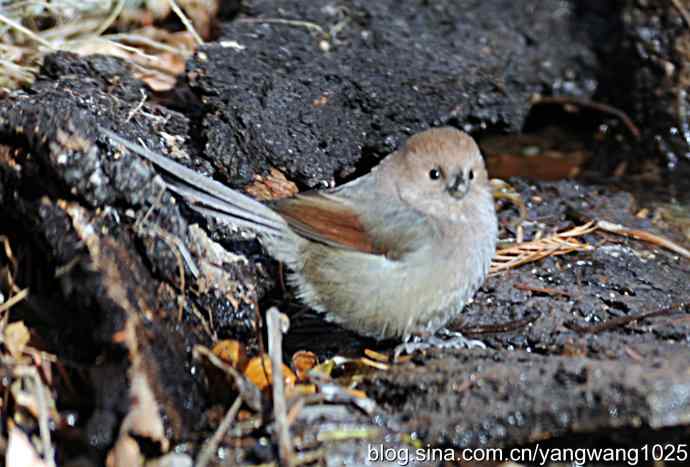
395 253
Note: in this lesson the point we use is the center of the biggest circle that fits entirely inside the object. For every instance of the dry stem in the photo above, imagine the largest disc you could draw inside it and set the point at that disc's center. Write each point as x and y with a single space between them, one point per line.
276 325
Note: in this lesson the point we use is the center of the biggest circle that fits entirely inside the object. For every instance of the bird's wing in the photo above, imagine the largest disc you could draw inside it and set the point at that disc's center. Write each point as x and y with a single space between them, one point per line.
349 217
325 220
376 227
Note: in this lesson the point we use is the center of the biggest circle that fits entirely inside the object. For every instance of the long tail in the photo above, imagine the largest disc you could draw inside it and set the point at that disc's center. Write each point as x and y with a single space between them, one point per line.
208 196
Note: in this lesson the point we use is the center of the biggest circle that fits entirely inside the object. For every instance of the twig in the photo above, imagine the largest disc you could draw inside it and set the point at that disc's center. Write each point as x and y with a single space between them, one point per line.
111 18
543 290
19 294
289 22
60 32
12 270
501 327
644 236
296 409
211 445
154 205
633 354
143 40
138 107
259 325
621 320
28 32
276 324
43 425
19 71
177 247
187 24
172 242
152 59
565 100
13 300
502 190
67 267
204 322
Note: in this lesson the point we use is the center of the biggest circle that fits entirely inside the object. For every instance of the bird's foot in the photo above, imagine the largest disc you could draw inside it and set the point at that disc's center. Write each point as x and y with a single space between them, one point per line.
443 339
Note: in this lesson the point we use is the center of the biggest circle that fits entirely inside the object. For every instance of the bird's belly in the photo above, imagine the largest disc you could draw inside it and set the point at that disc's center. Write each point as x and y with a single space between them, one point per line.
374 296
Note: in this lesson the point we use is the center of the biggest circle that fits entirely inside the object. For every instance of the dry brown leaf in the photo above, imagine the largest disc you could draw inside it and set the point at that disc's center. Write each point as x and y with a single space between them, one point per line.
259 372
303 361
379 357
546 166
550 154
231 352
272 186
161 81
157 56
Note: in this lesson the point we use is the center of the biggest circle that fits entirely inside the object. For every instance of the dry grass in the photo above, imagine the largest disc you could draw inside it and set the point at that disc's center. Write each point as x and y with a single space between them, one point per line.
26 367
561 243
31 29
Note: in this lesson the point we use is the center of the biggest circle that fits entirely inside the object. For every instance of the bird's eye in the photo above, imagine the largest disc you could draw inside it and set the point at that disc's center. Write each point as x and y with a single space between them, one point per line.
434 174
471 174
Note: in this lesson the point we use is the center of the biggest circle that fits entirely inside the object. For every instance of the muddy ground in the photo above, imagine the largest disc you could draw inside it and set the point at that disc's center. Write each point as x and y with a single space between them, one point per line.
321 97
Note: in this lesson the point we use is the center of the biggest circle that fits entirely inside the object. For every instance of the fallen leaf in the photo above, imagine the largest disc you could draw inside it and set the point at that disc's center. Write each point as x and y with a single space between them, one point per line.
379 357
259 372
231 352
16 337
302 362
272 186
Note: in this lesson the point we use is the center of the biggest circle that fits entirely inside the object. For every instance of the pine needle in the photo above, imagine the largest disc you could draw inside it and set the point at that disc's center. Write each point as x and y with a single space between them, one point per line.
527 252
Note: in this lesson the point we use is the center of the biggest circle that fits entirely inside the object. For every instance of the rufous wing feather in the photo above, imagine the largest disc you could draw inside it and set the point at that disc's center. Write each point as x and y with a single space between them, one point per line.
328 220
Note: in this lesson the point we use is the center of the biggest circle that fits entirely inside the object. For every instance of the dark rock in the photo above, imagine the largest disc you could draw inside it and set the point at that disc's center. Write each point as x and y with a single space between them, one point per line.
648 72
350 78
487 399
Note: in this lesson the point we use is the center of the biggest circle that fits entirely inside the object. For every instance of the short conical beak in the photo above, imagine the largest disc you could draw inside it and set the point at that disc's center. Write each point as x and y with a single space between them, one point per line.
458 186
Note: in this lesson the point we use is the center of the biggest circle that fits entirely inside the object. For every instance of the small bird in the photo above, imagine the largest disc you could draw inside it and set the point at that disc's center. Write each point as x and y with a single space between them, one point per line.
395 253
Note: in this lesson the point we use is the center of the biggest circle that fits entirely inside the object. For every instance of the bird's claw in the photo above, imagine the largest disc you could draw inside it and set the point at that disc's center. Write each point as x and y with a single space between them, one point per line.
444 339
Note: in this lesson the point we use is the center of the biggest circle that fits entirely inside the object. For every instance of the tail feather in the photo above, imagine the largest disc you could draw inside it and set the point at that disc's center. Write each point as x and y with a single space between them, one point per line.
221 202
224 211
235 220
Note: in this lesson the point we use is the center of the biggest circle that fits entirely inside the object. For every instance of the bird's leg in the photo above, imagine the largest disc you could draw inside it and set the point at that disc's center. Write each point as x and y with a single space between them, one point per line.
443 339
455 339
